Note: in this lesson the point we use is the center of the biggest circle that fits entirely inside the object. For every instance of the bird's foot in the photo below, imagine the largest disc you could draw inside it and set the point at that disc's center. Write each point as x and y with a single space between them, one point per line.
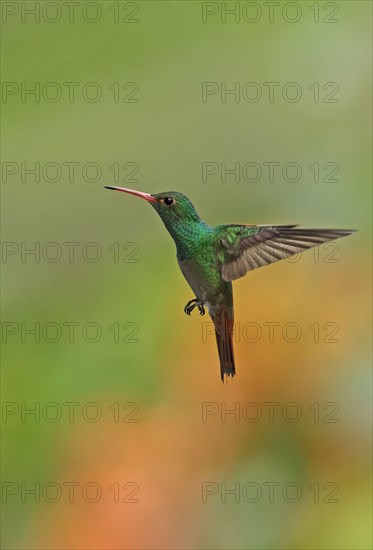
192 304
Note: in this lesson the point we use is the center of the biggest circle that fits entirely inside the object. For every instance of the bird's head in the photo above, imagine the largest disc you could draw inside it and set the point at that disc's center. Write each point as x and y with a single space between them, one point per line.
173 207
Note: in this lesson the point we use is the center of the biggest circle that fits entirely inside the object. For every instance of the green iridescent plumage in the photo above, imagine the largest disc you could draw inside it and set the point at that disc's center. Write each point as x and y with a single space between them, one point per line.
211 257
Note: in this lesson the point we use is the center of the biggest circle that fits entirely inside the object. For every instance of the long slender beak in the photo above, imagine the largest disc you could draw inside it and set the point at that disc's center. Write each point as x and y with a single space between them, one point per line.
140 194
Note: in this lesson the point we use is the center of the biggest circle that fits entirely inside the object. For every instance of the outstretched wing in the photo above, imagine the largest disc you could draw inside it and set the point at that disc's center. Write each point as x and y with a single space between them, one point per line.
243 248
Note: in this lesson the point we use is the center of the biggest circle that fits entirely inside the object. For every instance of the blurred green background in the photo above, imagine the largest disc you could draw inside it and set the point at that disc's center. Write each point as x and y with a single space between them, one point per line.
169 371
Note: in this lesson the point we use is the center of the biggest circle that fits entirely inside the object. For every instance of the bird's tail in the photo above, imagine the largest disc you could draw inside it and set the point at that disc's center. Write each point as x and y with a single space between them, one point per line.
223 322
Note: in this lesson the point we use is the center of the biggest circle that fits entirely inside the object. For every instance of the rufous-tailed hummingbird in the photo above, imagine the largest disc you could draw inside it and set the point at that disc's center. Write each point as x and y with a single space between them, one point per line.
211 257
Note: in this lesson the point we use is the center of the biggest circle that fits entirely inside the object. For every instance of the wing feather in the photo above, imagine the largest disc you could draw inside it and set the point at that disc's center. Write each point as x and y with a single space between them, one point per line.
247 247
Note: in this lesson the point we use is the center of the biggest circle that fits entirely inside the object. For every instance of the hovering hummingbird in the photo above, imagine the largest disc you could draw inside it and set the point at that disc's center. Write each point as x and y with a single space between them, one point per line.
211 257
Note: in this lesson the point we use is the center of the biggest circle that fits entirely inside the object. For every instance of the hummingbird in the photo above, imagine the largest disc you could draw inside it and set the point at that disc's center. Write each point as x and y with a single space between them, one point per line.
211 257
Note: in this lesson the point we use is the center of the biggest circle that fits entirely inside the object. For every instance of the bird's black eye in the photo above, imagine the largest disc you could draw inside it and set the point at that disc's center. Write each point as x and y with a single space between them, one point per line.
168 201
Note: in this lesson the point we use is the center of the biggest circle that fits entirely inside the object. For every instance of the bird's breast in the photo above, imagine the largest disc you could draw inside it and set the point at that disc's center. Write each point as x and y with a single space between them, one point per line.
202 273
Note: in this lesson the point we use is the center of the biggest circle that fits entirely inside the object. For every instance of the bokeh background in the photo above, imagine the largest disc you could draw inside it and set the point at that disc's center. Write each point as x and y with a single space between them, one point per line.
169 371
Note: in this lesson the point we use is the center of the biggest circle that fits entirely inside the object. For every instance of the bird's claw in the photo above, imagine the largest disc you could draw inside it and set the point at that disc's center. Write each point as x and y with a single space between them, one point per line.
188 309
192 304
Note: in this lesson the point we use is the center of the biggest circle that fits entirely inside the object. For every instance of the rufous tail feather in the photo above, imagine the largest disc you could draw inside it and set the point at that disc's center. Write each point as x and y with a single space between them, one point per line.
223 323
